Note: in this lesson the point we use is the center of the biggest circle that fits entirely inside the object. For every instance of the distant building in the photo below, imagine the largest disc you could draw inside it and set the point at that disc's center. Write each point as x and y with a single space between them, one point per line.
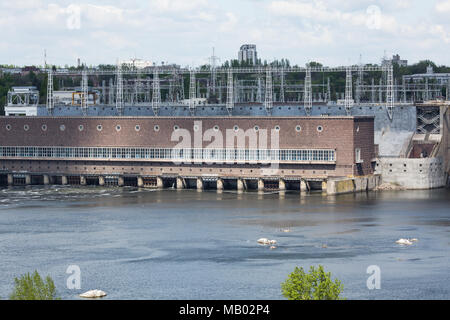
247 53
12 70
440 78
137 63
395 59
22 101
27 69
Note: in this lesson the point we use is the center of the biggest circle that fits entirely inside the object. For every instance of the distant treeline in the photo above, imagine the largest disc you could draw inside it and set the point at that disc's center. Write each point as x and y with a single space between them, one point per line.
337 79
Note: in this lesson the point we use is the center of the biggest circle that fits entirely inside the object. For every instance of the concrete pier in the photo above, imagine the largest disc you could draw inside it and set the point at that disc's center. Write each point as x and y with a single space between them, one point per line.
27 179
120 182
180 183
240 186
281 185
140 182
159 182
219 185
101 180
46 179
303 185
10 180
260 185
199 184
82 180
63 180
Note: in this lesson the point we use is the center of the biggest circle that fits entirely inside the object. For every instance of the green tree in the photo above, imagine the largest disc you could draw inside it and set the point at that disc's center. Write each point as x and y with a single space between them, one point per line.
315 285
32 287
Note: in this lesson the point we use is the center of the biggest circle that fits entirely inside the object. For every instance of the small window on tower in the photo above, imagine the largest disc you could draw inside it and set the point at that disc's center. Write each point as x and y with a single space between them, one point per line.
358 155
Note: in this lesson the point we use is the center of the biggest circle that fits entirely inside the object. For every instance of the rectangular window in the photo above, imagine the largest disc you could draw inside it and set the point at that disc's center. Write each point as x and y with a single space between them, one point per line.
358 155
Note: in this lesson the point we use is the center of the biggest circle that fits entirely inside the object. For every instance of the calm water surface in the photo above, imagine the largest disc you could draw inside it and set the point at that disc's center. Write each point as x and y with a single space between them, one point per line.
144 244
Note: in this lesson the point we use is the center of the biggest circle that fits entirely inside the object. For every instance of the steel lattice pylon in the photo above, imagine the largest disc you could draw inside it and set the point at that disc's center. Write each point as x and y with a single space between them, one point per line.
348 92
50 102
84 93
390 91
119 90
307 97
156 97
328 90
268 100
230 93
282 86
192 93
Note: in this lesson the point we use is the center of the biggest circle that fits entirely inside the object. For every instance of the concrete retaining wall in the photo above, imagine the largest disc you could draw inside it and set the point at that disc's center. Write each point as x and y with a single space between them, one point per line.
425 173
348 185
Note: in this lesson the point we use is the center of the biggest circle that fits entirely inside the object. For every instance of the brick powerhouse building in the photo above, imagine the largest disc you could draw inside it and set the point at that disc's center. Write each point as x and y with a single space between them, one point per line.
141 147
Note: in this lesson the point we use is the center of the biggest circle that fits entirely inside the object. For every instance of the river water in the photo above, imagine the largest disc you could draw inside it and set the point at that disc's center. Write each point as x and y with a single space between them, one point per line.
145 244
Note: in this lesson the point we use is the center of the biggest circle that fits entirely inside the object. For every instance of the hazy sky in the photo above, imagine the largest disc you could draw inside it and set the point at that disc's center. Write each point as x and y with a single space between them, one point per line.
334 32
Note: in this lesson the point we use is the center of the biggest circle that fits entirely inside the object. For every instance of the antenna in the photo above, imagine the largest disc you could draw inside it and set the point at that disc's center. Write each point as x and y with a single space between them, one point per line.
213 59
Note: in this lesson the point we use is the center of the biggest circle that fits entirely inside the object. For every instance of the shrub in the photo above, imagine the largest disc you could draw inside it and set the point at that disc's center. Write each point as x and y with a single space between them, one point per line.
32 287
315 285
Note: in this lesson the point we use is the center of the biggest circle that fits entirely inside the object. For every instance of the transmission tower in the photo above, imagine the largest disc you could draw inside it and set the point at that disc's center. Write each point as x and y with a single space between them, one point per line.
111 91
328 90
282 86
213 60
404 90
50 102
192 92
84 92
268 100
380 91
230 93
307 97
390 91
156 97
447 91
119 90
348 92
259 91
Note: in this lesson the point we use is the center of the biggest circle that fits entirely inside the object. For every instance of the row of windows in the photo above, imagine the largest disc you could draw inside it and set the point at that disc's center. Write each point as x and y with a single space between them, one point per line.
319 155
236 128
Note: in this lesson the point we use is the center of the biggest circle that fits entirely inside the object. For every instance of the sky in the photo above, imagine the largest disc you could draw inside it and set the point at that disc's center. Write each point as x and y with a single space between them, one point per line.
333 32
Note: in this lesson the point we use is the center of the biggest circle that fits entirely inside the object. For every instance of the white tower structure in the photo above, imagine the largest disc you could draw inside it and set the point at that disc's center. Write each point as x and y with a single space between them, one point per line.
230 93
156 97
50 102
213 59
119 90
390 91
328 90
268 101
84 92
348 92
282 86
259 90
192 93
307 97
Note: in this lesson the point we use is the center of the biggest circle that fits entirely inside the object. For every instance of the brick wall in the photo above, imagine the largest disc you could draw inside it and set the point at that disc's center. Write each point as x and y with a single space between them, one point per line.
340 133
